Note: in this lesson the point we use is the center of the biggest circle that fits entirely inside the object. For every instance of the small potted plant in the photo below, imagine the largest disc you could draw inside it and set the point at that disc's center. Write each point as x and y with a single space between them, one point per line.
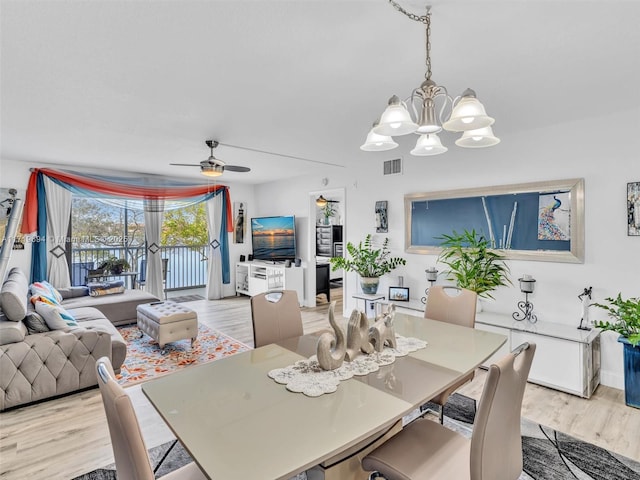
368 262
626 322
472 264
328 211
114 265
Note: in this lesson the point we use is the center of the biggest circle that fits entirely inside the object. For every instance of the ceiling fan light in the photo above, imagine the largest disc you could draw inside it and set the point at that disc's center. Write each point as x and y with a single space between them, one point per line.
212 171
468 114
377 143
395 120
480 138
428 144
321 201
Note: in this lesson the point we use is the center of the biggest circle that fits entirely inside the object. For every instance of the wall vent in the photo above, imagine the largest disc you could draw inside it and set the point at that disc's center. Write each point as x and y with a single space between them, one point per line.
392 167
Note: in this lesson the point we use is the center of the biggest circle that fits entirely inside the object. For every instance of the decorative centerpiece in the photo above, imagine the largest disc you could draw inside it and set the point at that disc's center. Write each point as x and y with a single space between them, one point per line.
368 262
332 347
626 322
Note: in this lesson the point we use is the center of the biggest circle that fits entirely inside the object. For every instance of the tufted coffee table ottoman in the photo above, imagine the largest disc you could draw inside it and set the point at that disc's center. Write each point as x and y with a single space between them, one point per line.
167 322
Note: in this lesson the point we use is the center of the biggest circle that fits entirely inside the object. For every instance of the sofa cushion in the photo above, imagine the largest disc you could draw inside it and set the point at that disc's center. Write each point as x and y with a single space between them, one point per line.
56 317
119 309
72 292
44 292
35 323
14 295
10 331
106 288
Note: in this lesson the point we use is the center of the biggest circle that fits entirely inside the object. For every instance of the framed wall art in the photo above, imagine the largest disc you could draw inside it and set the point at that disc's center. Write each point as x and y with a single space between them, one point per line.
633 209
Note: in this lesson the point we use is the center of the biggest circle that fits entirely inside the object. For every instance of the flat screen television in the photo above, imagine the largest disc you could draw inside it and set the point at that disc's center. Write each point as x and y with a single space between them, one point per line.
274 238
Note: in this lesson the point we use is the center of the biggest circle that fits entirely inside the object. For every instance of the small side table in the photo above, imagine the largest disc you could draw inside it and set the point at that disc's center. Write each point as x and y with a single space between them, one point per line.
369 302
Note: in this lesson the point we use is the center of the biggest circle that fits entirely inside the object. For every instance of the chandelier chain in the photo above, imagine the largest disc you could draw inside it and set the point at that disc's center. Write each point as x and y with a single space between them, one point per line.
426 20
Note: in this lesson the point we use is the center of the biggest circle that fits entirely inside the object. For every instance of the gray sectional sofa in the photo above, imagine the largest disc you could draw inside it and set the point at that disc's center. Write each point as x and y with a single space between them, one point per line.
41 364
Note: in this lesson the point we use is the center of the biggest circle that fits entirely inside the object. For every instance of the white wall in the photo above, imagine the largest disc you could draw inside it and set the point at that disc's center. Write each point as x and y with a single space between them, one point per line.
603 151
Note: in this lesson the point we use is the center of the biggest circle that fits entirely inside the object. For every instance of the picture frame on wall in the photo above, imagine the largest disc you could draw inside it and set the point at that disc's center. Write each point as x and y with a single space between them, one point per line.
239 221
398 294
633 209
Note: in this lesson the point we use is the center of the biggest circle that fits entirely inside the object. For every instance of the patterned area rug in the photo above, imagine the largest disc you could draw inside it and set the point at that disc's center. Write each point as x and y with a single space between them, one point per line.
145 360
547 454
186 298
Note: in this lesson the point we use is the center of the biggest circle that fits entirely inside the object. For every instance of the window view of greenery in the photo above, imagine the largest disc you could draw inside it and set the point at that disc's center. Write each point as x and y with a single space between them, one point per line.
100 231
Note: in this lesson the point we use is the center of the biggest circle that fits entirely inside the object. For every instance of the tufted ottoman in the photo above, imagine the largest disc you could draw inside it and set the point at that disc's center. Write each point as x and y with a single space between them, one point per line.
167 322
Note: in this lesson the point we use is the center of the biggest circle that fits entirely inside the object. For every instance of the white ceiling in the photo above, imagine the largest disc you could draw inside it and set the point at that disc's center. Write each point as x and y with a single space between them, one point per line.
136 85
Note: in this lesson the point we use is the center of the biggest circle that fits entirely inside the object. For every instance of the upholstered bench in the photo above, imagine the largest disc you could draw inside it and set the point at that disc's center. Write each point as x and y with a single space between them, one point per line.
167 322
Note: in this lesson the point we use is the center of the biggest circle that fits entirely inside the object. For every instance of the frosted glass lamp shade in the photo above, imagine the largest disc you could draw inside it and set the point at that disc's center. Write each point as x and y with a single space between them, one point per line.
428 144
212 171
395 120
468 114
480 138
378 143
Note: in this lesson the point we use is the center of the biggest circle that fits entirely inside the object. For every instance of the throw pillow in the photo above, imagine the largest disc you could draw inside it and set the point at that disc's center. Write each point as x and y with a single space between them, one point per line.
35 323
45 291
106 288
56 317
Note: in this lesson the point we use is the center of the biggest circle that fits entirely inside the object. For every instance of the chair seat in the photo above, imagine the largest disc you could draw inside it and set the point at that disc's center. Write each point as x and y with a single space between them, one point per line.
189 472
422 450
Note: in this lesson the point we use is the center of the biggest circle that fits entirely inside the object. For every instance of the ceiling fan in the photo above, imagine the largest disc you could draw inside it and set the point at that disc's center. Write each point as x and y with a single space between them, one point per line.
212 167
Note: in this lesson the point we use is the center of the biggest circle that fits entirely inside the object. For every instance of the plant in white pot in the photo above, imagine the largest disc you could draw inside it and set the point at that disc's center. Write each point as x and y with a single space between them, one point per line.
369 262
472 264
626 321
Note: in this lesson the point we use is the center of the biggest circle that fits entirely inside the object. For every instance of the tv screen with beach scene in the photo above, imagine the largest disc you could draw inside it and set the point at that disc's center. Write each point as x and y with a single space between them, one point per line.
274 238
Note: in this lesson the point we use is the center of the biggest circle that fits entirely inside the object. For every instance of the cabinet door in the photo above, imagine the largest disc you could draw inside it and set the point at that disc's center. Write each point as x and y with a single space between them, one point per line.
557 363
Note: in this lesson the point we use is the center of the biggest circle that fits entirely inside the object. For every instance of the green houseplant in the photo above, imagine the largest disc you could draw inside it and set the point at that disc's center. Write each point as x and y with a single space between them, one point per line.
368 262
626 321
472 264
114 265
328 211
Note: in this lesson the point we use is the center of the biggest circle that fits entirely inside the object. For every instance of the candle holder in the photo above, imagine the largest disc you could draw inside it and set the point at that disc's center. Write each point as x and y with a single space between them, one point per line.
432 276
527 285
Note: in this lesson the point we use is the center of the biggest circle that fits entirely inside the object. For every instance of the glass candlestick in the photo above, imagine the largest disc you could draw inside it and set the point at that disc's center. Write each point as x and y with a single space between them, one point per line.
527 285
432 277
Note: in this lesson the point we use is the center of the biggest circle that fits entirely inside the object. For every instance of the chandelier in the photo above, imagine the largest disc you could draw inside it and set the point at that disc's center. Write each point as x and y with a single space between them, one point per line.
417 114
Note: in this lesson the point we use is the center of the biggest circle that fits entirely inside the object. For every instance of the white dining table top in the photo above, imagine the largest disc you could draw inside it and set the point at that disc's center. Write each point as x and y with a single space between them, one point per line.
236 422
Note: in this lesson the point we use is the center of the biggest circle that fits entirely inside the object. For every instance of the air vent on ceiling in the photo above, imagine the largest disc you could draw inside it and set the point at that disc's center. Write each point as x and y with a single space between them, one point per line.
393 167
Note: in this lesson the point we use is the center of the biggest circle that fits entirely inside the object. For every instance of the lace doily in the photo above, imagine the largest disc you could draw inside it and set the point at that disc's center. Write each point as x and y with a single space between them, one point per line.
306 376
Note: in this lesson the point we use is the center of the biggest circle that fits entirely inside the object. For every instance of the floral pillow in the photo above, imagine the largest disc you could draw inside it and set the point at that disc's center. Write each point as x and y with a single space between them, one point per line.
45 292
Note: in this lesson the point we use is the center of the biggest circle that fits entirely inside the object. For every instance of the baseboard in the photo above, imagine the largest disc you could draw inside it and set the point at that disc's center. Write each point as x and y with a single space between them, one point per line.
612 379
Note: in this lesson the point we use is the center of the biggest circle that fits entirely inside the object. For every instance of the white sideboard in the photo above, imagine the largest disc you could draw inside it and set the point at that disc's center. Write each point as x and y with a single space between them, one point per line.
567 359
253 278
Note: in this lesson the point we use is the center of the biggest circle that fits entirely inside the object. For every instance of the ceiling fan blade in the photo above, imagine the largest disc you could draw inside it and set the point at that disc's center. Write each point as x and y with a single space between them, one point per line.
186 164
280 154
236 168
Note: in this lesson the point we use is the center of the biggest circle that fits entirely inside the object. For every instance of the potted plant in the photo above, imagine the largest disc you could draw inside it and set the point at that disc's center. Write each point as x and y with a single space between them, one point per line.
472 264
626 322
114 265
328 211
368 262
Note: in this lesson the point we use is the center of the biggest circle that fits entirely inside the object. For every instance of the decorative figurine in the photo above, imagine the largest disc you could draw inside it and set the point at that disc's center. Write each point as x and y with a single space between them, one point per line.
331 347
357 336
585 297
382 332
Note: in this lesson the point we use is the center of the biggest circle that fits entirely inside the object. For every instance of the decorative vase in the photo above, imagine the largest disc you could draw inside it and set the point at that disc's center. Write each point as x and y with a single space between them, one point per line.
369 285
631 373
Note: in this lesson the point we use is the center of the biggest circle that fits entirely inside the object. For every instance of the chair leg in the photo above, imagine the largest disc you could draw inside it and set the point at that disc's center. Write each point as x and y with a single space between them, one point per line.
164 457
441 415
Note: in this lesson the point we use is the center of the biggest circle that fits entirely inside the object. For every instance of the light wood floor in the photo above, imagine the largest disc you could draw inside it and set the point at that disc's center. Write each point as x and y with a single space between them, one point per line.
63 438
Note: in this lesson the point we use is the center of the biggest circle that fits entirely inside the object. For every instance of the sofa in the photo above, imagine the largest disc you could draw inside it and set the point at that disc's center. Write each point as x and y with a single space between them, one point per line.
38 363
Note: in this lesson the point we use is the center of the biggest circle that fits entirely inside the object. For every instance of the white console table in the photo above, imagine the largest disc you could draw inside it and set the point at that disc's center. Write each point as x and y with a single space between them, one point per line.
567 359
253 278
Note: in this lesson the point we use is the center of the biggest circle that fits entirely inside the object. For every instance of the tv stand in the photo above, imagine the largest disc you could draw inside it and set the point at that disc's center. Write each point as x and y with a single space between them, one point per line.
257 277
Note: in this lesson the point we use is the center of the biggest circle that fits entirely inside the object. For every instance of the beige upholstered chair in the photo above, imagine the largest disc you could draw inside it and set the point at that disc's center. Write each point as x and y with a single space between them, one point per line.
275 316
129 449
428 450
458 308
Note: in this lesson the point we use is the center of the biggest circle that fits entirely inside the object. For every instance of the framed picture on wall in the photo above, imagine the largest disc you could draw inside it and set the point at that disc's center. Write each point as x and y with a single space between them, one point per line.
239 221
633 209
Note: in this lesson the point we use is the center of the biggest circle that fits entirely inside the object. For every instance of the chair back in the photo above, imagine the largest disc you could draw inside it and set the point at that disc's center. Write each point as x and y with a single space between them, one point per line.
459 308
275 316
142 273
129 449
496 442
79 272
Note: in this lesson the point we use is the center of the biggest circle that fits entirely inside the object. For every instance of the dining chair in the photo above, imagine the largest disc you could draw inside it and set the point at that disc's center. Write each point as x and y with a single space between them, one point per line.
129 449
427 450
457 306
275 316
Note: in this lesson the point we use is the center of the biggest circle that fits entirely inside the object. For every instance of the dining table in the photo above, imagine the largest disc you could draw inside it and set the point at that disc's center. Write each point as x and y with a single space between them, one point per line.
238 423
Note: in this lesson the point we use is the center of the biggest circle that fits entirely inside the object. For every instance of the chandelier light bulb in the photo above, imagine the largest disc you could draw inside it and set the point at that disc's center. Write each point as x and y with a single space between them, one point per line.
377 143
428 144
480 138
395 120
468 114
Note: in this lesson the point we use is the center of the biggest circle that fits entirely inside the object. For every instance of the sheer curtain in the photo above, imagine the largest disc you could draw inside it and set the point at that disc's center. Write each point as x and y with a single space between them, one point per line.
214 225
58 215
153 215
